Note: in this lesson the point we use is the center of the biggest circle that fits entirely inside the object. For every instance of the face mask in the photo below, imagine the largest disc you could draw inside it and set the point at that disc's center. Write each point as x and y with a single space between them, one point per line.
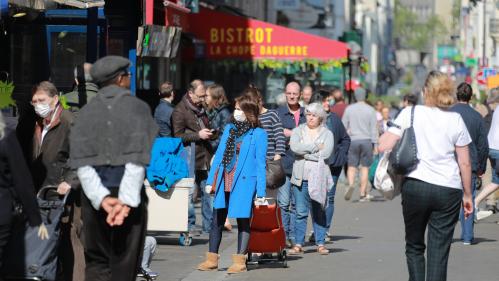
42 109
331 102
239 115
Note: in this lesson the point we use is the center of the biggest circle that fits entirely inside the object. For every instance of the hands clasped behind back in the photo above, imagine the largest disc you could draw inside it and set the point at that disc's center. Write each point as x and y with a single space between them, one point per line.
116 211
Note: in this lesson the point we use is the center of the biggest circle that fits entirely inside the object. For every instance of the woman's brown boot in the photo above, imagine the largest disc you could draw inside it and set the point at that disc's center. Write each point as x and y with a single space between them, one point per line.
238 264
211 262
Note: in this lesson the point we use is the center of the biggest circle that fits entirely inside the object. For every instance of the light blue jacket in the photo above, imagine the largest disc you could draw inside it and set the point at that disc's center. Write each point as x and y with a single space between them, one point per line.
250 175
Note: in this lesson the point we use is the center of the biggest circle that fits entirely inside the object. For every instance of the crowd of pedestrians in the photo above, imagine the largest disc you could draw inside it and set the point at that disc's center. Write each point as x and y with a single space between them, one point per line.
95 153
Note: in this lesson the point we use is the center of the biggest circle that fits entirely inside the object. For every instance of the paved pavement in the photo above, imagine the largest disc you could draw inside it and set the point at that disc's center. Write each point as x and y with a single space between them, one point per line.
368 244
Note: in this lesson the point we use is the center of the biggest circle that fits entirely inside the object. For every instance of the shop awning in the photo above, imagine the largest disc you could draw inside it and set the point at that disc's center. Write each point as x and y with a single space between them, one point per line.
43 4
230 36
82 4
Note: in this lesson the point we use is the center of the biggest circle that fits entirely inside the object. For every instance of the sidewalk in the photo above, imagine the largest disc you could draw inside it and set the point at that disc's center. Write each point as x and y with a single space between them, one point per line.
368 246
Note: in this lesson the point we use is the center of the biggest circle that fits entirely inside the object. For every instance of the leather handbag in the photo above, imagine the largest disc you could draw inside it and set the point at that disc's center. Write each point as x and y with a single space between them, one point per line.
276 177
404 156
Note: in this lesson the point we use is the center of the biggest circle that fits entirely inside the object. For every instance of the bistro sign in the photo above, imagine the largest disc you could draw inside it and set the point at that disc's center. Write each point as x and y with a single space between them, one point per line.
229 36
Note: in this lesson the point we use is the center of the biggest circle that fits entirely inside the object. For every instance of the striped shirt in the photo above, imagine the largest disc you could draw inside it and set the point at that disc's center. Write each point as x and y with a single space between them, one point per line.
271 123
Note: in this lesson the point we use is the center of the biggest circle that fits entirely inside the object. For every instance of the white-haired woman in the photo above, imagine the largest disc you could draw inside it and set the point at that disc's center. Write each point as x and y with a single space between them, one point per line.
309 142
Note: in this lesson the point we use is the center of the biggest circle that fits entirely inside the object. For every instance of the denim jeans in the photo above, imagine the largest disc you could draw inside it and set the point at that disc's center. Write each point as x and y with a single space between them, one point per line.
149 251
330 206
494 158
286 202
191 212
206 200
303 205
206 203
426 205
467 225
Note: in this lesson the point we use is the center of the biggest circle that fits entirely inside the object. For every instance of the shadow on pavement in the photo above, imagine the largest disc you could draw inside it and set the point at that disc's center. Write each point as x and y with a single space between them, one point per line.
476 240
174 240
344 237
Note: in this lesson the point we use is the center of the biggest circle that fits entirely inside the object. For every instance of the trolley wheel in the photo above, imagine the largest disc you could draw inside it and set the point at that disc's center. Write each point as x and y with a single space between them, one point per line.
185 239
283 257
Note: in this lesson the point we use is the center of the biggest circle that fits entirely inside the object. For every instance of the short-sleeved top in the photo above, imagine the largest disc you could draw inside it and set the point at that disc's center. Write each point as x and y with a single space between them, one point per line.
438 132
493 136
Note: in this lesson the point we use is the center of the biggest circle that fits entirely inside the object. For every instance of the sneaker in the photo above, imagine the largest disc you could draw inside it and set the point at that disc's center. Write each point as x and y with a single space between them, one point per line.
348 193
152 274
466 243
480 215
370 197
364 199
328 237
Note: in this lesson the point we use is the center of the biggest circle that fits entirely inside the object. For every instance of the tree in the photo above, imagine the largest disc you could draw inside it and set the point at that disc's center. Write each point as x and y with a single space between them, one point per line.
415 34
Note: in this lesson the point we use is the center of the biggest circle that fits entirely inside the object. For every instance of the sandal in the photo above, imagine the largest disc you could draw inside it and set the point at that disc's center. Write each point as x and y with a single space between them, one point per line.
296 250
322 250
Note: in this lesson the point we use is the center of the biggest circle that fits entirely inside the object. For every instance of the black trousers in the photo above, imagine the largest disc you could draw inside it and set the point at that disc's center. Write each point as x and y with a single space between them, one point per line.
434 207
113 253
243 227
4 239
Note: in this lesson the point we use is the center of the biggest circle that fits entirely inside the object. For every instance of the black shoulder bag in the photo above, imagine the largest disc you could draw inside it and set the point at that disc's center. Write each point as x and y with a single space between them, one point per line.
404 156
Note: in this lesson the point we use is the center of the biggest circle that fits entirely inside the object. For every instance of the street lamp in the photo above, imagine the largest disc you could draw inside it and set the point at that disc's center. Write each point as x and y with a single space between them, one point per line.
352 58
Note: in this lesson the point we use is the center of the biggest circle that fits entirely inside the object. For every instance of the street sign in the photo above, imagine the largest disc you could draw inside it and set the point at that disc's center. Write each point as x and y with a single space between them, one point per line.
493 81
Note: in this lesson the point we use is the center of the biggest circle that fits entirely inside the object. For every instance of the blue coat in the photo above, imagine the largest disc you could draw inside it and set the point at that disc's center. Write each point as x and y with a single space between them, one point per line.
250 175
167 164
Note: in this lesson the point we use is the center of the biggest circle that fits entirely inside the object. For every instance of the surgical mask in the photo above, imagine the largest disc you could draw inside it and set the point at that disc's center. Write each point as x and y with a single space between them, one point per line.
42 109
239 115
331 102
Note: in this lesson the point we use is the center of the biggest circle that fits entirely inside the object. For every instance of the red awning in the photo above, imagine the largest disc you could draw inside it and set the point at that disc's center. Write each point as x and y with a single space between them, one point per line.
229 36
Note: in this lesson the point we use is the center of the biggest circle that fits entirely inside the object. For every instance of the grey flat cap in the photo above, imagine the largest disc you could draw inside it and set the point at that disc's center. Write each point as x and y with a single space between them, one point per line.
109 67
360 94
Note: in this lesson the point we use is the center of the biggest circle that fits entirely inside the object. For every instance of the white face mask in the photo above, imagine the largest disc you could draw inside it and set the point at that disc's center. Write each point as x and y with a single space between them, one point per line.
239 115
42 109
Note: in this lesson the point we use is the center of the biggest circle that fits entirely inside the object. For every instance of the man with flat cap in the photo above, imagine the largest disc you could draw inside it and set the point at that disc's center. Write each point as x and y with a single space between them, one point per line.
110 145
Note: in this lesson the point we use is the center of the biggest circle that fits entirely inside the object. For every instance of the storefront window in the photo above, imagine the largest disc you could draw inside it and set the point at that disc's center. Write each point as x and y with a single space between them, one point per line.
67 49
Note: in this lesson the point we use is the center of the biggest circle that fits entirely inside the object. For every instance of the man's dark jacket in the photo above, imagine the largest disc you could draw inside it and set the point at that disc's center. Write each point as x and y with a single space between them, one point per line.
186 126
163 117
479 147
288 122
15 181
339 157
114 129
49 163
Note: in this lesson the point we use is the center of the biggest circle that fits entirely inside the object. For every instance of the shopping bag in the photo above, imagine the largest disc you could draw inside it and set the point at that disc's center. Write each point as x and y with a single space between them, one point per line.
372 169
385 181
320 182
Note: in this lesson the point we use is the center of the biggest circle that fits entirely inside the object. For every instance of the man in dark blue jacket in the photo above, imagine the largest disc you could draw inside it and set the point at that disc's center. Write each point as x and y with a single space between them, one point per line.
164 110
479 149
291 115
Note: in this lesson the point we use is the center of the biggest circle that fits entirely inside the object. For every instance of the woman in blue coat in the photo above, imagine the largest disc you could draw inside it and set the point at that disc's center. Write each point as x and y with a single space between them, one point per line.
238 174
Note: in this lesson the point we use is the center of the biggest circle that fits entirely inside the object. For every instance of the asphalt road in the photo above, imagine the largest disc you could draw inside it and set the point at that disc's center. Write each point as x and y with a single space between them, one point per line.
368 244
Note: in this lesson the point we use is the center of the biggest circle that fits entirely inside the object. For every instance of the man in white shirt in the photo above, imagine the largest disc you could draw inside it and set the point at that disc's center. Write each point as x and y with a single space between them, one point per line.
110 145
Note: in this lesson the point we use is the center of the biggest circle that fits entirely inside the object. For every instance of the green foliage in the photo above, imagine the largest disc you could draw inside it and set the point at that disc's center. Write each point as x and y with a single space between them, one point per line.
6 90
63 100
414 34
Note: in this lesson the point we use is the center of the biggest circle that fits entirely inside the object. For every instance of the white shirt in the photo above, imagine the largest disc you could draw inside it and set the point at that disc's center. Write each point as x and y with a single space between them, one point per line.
130 186
493 136
438 132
